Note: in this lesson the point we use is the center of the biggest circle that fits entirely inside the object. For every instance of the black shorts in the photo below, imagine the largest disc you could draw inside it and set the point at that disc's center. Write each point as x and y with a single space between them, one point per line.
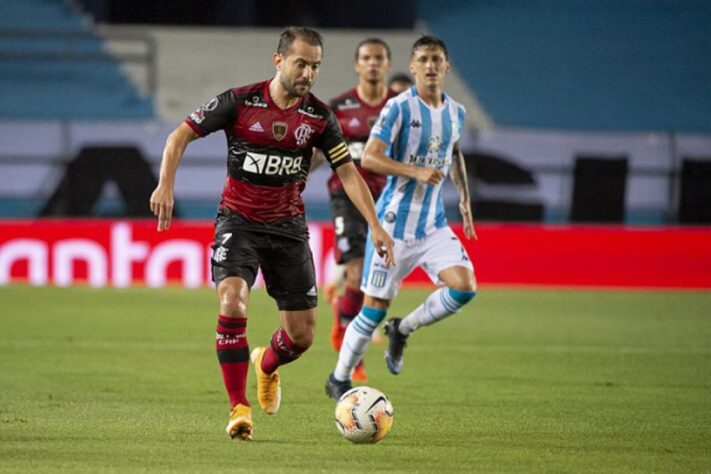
350 228
287 264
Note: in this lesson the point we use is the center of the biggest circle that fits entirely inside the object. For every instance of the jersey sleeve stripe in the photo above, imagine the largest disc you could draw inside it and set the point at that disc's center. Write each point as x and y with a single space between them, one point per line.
340 152
340 146
339 158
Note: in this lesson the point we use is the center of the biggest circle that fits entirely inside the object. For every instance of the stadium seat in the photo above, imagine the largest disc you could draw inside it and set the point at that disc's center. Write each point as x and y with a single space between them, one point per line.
38 82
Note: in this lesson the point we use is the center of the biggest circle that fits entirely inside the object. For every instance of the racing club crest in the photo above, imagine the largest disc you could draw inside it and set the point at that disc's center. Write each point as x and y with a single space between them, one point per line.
434 144
279 130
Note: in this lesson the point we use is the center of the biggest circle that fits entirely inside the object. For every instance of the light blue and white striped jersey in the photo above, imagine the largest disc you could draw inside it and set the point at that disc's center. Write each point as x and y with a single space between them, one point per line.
420 135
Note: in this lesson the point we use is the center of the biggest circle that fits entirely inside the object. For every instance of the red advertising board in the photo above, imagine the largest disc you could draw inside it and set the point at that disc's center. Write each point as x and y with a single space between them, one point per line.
124 253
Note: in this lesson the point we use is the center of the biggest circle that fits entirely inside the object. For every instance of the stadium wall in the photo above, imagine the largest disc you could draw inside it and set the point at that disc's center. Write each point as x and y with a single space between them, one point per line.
122 253
34 156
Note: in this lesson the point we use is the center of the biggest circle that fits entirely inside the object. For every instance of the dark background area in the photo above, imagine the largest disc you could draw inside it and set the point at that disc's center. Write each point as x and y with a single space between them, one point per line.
269 13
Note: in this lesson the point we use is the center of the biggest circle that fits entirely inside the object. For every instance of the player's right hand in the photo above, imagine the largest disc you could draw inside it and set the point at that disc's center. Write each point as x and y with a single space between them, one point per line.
429 175
162 206
383 243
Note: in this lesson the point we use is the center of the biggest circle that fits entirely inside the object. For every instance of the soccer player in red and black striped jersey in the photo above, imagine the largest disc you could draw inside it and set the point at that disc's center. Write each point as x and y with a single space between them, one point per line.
356 111
272 128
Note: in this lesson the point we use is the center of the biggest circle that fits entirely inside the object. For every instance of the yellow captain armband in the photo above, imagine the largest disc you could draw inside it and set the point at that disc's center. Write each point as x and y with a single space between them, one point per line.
338 152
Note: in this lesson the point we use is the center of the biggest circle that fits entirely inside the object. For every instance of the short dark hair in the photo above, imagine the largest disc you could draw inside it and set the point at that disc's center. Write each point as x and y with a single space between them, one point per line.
374 41
289 35
400 77
428 41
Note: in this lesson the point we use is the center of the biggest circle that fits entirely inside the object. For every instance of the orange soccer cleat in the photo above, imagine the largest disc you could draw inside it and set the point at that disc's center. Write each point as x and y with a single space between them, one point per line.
337 330
359 374
240 425
268 385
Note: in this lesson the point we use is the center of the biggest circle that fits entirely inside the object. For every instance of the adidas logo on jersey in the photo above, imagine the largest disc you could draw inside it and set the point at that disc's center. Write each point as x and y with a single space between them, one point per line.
354 123
256 127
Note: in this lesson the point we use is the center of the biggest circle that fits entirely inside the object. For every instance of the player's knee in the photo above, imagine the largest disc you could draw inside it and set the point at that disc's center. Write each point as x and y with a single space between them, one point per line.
231 305
462 297
465 282
233 309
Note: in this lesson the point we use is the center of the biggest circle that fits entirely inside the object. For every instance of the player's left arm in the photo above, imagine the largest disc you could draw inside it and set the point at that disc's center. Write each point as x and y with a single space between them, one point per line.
458 174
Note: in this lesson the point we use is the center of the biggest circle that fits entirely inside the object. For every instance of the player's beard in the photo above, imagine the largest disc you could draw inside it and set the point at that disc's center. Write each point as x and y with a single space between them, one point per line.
292 90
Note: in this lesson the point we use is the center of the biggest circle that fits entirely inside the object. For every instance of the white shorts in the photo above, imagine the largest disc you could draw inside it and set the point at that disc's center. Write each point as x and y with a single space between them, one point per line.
440 250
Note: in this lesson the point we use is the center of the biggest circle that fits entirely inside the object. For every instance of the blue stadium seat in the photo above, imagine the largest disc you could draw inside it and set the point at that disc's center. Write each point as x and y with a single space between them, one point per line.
583 64
54 88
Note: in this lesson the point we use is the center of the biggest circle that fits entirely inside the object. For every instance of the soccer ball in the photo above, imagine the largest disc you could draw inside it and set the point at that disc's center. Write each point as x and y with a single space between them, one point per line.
364 415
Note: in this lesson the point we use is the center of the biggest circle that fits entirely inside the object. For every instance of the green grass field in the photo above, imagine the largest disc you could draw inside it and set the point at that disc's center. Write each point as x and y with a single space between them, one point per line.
520 381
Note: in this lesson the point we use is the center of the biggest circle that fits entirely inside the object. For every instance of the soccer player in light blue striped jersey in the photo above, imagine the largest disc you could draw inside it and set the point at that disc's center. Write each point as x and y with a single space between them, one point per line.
415 141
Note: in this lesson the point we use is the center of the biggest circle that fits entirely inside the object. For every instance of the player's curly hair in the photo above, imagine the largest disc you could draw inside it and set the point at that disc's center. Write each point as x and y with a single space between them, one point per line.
428 41
289 35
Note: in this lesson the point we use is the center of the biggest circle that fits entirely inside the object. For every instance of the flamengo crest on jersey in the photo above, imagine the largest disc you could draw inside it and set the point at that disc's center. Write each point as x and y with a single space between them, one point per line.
419 135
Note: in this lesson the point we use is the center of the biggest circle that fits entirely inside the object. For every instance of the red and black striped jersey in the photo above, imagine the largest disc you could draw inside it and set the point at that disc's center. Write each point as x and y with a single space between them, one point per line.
269 153
356 119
